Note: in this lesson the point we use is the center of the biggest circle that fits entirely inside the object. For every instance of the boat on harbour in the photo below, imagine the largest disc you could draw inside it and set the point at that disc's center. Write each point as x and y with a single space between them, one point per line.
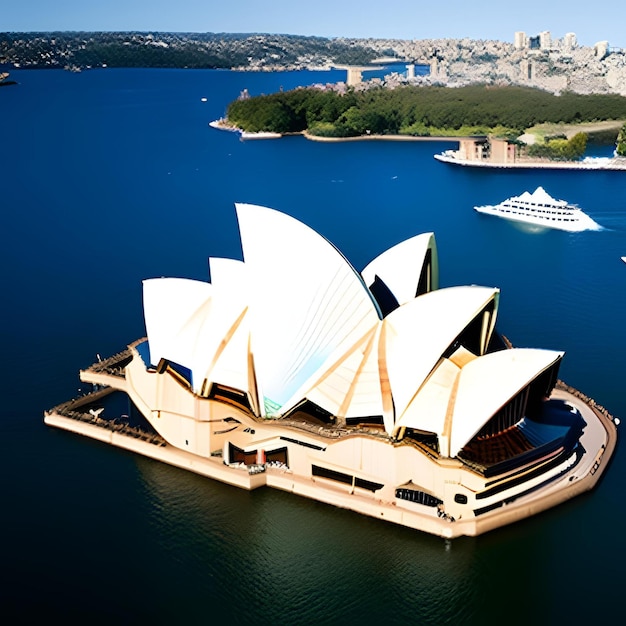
541 209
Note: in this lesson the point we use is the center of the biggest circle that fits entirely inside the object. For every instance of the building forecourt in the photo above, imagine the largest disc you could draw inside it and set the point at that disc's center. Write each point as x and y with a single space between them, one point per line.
375 391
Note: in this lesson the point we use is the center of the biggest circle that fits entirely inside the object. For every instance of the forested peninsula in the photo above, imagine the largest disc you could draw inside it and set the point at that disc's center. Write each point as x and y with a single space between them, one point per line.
420 111
176 50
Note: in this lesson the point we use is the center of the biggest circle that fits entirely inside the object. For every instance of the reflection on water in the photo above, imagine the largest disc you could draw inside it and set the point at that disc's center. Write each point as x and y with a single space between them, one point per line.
292 559
531 229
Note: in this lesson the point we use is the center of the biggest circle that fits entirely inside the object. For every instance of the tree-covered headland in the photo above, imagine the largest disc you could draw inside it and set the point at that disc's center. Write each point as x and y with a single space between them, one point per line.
176 50
427 111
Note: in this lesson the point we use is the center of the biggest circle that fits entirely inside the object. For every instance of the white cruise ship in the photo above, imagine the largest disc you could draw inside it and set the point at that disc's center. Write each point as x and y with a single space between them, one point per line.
541 209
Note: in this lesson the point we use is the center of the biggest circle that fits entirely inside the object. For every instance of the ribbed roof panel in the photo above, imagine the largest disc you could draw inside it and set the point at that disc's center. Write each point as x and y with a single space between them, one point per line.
488 383
306 300
400 267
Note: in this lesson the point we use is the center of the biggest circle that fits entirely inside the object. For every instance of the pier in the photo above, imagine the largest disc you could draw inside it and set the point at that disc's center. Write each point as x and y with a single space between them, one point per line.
500 153
616 164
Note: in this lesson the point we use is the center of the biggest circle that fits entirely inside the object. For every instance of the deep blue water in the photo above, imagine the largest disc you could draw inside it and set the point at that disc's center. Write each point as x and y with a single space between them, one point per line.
113 176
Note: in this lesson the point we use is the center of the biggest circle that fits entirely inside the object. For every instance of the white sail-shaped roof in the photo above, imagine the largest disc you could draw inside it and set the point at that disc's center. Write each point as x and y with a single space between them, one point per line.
221 344
400 267
193 323
174 310
366 397
487 383
230 276
305 300
428 409
295 322
221 350
348 384
419 332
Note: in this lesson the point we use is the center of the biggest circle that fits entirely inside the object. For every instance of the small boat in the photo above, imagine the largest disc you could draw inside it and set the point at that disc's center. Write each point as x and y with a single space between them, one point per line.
624 259
541 209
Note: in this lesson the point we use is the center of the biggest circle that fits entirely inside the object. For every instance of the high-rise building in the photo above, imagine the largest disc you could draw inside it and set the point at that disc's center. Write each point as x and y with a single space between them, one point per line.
521 40
569 41
601 49
545 40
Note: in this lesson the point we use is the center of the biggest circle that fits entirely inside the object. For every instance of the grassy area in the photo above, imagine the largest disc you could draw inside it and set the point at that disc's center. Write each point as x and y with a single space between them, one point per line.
600 132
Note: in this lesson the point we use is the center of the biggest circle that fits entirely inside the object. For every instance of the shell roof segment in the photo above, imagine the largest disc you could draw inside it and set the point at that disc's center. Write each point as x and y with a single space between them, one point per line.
420 331
305 300
294 321
174 310
400 267
487 383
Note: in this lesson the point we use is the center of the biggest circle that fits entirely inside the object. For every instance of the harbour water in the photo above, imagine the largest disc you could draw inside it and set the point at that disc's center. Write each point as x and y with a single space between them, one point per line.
113 176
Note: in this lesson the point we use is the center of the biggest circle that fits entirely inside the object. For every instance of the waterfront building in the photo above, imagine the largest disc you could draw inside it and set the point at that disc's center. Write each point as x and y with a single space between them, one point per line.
502 153
377 391
487 149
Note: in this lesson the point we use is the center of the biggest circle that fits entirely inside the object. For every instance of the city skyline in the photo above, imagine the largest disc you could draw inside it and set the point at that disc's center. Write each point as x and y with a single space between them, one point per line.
400 19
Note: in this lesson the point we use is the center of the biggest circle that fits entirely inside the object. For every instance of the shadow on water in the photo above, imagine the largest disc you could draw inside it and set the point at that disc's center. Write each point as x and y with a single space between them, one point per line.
292 559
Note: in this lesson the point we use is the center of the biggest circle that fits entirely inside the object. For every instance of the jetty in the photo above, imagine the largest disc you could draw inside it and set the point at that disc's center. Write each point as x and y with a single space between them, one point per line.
503 154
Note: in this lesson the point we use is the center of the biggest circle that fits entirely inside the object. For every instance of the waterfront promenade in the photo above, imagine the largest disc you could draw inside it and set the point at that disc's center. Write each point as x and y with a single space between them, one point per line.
589 164
448 156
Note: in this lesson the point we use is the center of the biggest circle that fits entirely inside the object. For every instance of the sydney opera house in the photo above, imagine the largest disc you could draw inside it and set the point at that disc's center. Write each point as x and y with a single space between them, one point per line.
376 391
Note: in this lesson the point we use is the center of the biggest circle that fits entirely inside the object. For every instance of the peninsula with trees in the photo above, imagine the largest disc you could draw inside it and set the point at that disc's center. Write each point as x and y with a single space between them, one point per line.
471 87
505 112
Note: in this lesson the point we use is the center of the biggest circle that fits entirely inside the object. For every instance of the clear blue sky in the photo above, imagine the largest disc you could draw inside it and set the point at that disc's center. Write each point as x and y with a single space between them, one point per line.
402 19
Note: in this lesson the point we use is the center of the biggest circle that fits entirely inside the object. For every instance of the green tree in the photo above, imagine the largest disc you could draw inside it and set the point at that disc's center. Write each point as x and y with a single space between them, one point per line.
577 145
476 109
621 141
561 149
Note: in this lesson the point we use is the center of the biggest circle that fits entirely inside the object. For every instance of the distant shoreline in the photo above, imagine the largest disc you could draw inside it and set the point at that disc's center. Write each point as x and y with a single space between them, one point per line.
615 163
307 135
222 124
593 163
